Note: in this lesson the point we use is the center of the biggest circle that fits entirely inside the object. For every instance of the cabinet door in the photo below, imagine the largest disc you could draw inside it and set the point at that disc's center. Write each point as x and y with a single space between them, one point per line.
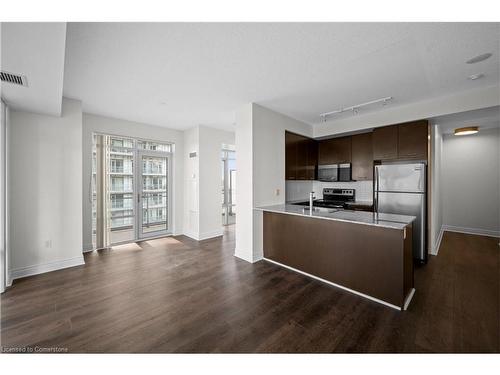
325 152
302 145
342 150
312 159
362 157
290 156
412 140
385 143
334 151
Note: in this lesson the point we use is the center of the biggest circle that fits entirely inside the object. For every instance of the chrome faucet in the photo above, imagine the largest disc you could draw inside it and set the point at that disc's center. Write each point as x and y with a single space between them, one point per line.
311 199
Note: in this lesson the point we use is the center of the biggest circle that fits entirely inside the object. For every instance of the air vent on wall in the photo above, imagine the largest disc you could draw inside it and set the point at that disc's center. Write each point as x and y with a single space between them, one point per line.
16 79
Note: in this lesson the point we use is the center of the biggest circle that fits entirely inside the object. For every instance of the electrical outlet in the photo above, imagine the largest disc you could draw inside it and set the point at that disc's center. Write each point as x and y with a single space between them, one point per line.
277 192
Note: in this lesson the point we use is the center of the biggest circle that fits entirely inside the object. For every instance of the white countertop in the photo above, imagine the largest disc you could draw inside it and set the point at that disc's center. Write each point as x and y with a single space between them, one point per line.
360 217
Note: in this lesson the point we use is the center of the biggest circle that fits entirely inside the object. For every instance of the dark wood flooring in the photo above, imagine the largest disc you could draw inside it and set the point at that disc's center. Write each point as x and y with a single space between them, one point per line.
179 295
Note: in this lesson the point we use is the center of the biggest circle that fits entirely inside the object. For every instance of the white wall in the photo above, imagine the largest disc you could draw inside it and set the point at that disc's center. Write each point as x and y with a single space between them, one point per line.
436 188
3 222
45 190
260 147
94 123
244 192
211 141
203 181
470 182
191 183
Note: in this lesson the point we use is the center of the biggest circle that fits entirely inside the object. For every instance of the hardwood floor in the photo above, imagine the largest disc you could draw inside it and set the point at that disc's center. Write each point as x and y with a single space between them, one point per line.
179 295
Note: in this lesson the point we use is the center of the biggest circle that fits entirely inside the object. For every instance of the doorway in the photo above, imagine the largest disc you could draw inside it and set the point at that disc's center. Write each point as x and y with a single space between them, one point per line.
131 185
228 187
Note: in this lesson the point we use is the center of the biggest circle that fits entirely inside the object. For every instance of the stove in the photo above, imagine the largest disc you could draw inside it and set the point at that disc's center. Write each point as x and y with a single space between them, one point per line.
333 198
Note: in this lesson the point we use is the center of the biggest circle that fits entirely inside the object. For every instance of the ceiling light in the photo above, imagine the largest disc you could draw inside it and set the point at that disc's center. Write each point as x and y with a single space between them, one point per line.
355 108
467 130
473 77
479 58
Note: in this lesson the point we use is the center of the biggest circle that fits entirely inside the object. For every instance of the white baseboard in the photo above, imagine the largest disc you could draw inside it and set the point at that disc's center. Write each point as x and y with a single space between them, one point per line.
45 267
87 247
204 236
240 255
476 231
9 279
406 303
435 250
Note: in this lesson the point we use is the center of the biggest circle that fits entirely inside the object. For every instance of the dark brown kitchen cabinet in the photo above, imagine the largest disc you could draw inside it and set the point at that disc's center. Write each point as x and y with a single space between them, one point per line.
312 159
412 140
301 167
385 143
300 157
334 151
362 157
291 144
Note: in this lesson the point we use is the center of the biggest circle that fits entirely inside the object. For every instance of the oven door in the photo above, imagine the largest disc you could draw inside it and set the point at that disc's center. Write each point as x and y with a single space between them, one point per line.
328 173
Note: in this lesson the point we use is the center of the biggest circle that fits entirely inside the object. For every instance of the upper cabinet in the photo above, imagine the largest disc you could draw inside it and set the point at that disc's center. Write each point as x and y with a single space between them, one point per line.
403 141
385 143
312 159
334 151
362 157
408 141
413 140
291 145
300 157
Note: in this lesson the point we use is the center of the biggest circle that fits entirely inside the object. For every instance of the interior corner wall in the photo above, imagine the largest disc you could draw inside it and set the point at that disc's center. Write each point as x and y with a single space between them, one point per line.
471 182
436 187
44 190
112 126
260 147
191 182
3 200
210 172
244 190
203 181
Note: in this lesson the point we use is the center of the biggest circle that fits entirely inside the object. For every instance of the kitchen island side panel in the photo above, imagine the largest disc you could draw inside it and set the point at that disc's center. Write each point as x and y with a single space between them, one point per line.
367 259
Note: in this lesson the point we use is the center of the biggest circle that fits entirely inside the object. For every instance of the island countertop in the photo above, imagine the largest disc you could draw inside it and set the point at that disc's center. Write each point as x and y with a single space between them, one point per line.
367 218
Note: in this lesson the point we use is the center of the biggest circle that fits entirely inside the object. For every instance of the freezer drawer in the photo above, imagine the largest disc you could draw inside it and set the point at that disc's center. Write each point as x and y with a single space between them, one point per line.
407 204
400 177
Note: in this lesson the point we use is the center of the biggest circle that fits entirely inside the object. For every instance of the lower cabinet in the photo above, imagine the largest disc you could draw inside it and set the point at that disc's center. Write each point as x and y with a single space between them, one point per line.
372 260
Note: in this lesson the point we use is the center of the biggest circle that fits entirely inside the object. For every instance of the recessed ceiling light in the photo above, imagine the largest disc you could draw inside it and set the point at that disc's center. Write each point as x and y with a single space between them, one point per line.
479 58
467 130
473 77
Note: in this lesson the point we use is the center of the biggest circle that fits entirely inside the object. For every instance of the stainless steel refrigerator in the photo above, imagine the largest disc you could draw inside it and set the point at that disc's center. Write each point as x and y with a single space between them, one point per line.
401 189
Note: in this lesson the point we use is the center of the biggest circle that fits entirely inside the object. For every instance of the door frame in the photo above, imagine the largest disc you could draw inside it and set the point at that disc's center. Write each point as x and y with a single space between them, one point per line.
138 186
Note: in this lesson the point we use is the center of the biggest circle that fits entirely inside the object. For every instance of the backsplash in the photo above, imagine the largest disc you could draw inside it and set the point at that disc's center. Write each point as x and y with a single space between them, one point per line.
364 189
299 190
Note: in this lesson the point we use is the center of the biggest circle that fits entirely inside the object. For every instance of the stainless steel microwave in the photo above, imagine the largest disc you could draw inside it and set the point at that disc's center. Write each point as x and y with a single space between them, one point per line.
328 172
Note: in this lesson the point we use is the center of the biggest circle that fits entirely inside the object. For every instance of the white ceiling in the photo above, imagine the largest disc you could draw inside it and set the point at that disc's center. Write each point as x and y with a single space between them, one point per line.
203 72
485 118
35 50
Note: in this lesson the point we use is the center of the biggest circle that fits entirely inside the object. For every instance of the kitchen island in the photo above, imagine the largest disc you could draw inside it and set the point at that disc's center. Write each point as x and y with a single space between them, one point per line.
366 253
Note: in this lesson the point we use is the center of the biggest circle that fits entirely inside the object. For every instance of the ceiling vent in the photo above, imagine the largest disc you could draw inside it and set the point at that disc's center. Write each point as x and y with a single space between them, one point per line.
16 79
